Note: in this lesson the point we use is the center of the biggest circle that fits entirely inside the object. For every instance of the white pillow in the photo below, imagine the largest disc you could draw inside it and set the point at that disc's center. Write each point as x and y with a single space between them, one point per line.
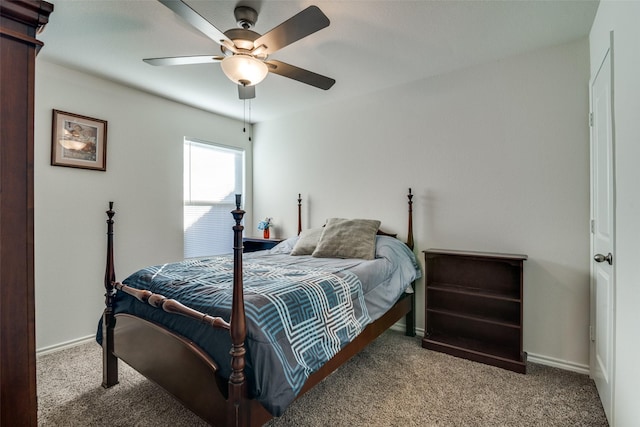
307 241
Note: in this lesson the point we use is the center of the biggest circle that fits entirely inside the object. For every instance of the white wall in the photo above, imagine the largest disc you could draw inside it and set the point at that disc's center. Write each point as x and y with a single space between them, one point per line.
622 18
143 178
498 157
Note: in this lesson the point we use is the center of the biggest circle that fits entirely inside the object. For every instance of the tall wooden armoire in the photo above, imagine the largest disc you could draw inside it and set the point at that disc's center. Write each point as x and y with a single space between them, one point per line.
19 23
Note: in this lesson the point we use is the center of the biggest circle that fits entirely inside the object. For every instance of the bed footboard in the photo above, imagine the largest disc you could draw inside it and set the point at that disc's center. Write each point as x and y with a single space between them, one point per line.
180 367
175 364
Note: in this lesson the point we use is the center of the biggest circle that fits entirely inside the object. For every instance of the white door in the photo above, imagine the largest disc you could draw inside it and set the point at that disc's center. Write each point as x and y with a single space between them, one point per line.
602 211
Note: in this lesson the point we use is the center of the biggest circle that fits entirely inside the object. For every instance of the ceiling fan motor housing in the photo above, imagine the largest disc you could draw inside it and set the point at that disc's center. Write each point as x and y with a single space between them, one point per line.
246 17
243 37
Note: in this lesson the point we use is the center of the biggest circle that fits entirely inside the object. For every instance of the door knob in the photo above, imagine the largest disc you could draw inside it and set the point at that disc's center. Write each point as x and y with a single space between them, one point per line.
602 258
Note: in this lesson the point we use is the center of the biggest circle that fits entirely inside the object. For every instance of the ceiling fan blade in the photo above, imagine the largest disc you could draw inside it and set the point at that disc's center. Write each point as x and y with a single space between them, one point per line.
246 92
295 28
195 19
299 74
184 60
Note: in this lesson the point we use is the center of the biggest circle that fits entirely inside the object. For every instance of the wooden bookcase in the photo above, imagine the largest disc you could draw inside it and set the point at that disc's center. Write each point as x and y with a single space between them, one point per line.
474 306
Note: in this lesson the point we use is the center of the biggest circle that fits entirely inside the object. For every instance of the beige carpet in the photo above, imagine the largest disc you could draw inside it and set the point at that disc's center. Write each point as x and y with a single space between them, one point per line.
393 382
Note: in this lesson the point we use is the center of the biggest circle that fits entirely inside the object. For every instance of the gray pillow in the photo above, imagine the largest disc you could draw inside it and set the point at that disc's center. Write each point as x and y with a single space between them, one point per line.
348 238
307 241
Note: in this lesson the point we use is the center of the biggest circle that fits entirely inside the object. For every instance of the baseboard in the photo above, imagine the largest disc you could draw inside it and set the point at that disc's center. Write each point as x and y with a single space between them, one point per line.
558 363
531 357
67 344
399 327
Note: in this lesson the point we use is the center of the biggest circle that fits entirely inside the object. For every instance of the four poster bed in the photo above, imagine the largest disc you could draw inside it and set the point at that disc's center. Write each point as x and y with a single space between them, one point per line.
288 317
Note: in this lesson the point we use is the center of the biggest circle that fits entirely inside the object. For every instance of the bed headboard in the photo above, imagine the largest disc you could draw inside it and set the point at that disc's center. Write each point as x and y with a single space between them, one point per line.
409 241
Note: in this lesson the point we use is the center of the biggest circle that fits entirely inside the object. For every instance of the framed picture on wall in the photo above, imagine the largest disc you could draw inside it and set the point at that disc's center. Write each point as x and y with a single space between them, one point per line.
78 141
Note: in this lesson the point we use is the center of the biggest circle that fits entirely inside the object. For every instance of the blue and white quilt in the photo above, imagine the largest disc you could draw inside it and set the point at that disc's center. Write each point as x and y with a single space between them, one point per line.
297 317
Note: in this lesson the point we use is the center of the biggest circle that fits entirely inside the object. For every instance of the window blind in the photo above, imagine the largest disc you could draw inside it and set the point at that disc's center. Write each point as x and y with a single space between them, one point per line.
213 175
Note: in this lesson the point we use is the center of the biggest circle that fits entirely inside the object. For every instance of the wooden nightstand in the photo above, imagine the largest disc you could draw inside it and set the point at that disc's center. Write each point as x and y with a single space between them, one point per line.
253 244
474 306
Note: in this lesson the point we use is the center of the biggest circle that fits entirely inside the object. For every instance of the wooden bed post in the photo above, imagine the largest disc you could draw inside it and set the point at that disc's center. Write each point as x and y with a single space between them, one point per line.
410 318
410 231
109 361
237 402
299 214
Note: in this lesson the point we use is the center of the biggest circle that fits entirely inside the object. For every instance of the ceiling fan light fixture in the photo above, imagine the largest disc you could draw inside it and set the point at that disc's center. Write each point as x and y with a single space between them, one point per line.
244 69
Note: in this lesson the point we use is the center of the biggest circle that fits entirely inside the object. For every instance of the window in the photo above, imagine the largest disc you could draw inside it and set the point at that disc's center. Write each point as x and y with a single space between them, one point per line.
213 175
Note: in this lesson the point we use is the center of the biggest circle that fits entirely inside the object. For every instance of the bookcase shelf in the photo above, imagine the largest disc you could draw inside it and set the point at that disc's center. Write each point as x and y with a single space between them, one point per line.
474 306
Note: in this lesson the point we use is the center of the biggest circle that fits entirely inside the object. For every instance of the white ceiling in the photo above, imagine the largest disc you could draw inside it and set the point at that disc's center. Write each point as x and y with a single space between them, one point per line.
370 45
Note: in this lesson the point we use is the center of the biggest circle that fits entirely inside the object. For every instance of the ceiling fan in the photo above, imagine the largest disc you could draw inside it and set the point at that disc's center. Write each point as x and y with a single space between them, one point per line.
245 53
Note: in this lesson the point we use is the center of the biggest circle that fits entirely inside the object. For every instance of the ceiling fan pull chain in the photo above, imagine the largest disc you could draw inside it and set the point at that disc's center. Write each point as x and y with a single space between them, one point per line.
251 129
244 117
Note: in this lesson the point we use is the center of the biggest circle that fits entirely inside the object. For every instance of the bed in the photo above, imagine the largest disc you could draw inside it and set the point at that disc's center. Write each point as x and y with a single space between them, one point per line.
237 338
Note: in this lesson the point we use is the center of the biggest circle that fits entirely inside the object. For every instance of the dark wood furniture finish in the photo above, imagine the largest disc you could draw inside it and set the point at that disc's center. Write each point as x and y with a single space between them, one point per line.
185 370
19 23
474 306
253 244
